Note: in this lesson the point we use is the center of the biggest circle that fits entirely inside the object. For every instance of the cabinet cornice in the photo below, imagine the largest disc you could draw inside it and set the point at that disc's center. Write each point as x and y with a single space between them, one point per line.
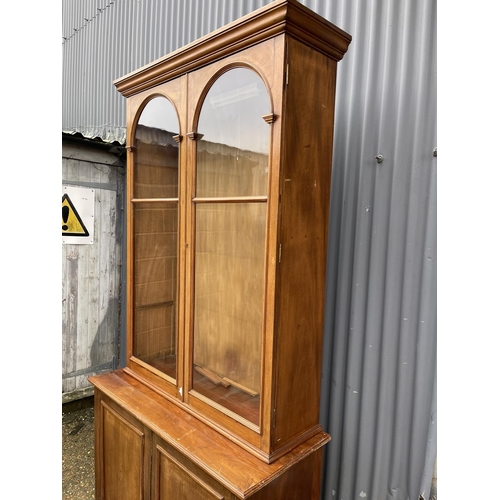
280 17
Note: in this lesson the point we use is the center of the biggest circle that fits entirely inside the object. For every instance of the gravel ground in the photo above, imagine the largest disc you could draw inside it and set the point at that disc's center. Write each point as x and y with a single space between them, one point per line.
78 450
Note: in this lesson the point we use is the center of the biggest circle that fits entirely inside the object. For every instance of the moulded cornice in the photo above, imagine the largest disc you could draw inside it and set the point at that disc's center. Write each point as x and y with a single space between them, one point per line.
282 16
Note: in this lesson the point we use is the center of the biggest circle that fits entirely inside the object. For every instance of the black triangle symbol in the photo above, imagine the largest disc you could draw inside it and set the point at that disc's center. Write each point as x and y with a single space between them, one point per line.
77 215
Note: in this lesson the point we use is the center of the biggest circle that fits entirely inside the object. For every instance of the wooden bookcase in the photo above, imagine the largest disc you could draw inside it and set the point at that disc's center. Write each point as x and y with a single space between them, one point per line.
229 145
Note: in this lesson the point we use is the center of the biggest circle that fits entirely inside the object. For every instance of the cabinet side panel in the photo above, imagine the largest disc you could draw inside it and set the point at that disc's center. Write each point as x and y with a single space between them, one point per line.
305 190
300 482
123 447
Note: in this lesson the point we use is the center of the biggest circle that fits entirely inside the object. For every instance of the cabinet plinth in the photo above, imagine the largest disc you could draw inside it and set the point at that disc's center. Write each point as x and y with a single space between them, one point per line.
229 144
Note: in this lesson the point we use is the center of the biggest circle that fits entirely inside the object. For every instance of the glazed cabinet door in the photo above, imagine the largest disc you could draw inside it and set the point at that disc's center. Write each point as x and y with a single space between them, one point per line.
231 203
202 226
229 215
155 234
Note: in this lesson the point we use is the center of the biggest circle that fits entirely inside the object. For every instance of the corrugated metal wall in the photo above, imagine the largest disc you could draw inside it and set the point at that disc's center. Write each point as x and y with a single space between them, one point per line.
379 386
378 399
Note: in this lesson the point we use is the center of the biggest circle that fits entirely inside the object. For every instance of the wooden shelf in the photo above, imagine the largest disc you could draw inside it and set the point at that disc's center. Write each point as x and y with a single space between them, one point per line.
232 398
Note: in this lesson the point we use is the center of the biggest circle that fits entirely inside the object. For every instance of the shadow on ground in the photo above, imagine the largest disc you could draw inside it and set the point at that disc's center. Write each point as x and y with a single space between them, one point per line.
78 450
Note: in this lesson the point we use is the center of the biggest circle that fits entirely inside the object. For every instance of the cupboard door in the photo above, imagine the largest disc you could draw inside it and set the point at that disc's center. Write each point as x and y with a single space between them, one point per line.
123 448
178 483
177 478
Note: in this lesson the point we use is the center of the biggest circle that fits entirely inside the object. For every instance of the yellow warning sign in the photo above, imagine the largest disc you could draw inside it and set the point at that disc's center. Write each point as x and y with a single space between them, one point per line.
72 224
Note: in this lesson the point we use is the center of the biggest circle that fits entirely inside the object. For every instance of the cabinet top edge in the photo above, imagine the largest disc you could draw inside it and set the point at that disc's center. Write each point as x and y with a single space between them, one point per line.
279 17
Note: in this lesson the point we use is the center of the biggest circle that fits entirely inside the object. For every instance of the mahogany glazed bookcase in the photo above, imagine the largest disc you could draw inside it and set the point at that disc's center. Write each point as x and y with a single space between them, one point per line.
229 144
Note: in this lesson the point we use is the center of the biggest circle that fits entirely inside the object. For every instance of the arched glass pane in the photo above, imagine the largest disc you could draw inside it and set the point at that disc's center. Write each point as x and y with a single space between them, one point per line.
233 150
230 235
157 153
155 226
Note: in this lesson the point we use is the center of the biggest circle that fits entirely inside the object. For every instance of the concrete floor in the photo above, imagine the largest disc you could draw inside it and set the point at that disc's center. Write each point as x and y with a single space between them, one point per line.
78 450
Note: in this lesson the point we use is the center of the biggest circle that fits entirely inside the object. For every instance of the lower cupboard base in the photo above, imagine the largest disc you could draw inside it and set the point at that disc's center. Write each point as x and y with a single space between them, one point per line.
148 448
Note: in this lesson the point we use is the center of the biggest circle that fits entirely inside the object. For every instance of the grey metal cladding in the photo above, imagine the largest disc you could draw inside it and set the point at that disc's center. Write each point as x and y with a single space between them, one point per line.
379 369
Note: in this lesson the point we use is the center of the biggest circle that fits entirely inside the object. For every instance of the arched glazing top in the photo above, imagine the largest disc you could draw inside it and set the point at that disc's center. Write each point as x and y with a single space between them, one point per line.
159 114
156 160
233 140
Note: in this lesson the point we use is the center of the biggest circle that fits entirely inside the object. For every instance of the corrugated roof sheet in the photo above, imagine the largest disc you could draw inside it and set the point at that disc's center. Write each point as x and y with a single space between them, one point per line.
104 40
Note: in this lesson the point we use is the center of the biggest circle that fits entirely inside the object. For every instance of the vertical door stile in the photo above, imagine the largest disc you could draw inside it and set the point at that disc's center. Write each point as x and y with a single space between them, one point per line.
190 149
183 246
130 229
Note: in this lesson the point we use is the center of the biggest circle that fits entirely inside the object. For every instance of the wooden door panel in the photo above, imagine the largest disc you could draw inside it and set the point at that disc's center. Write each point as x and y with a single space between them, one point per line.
124 460
176 482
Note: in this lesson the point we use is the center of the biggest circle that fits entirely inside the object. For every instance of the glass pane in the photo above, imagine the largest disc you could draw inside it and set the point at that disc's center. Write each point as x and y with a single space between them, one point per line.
233 150
157 153
229 300
155 285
